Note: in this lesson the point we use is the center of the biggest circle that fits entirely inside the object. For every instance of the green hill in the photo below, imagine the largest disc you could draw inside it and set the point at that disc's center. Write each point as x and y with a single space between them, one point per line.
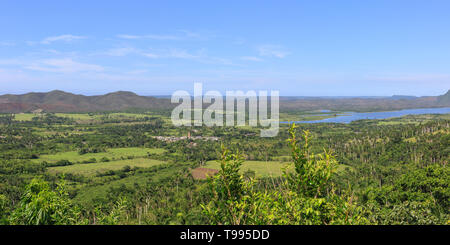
60 101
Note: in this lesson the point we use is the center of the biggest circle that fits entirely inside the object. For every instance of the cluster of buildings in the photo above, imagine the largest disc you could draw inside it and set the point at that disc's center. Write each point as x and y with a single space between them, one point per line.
175 138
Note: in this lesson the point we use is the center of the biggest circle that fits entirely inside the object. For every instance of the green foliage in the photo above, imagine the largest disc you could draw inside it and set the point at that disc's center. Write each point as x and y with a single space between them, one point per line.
236 201
229 184
312 172
3 209
430 183
114 217
230 191
104 159
42 206
418 197
87 149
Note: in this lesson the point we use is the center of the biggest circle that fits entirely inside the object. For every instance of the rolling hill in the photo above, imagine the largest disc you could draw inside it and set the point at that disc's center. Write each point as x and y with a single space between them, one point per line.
60 101
444 99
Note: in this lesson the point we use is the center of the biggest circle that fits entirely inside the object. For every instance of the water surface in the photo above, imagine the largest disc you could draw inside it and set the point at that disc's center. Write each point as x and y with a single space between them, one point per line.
348 117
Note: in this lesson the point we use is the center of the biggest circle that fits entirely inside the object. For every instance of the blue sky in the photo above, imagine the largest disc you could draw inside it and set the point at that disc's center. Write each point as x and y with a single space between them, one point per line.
308 48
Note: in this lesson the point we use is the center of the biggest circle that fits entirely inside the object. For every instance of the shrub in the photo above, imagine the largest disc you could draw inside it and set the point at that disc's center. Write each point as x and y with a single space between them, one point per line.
104 159
42 206
300 199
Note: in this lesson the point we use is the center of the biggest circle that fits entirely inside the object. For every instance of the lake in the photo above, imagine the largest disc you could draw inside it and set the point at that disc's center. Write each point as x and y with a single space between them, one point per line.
348 117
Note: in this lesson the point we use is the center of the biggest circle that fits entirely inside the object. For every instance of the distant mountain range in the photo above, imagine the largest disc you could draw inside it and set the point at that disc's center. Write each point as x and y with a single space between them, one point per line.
444 99
60 101
395 102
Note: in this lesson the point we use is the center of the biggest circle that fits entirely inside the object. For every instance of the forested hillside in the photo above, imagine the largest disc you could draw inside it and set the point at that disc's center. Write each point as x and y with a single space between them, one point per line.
59 101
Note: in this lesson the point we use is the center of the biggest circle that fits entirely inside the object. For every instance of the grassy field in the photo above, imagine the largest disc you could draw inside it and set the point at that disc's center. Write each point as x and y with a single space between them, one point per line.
86 118
91 169
261 168
111 154
24 116
413 119
266 169
83 116
99 192
305 116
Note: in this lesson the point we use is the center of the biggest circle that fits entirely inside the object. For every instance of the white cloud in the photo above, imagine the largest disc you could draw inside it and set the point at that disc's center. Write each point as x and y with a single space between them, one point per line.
251 58
180 35
191 34
215 60
411 77
154 37
124 51
129 36
7 44
182 54
272 51
137 72
64 38
30 43
121 51
161 37
66 65
165 53
151 55
10 62
171 53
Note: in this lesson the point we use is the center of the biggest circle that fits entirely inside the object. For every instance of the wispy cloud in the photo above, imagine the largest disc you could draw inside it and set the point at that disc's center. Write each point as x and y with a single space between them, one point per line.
125 51
154 37
125 36
272 51
121 51
10 62
179 35
197 35
151 55
171 53
183 54
137 72
65 65
64 38
412 77
2 43
198 56
251 58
